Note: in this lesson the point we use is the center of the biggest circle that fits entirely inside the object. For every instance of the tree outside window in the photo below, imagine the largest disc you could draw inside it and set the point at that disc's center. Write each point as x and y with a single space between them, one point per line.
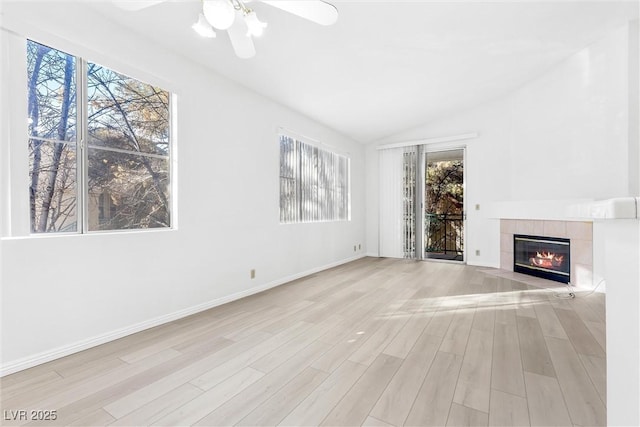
120 178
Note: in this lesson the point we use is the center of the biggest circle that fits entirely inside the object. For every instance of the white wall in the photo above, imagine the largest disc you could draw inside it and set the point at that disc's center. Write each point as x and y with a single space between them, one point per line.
66 292
562 136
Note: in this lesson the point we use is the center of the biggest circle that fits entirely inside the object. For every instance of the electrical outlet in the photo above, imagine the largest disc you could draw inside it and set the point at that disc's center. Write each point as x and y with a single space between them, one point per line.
354 248
478 207
253 273
477 252
359 246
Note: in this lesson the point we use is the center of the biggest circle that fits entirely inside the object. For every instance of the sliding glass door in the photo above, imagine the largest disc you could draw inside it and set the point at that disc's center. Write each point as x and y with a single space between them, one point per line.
422 203
444 215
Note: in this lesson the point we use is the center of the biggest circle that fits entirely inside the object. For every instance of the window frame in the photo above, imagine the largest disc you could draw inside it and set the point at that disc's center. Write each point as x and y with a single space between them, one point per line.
82 148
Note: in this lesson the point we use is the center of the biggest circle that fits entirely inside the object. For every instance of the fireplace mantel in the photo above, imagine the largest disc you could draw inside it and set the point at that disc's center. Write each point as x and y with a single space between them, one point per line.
557 210
616 208
566 210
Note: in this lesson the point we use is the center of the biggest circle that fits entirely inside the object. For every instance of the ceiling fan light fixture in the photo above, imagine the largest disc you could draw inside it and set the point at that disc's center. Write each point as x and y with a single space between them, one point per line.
219 13
203 28
255 27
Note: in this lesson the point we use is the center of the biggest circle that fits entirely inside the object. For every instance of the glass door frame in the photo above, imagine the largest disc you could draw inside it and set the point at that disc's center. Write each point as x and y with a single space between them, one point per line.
423 151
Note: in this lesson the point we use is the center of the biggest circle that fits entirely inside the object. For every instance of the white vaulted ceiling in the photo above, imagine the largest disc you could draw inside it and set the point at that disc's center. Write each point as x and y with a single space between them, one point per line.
387 66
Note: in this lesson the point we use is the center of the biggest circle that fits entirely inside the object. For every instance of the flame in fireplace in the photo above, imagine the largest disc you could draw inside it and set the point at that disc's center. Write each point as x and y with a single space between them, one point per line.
547 260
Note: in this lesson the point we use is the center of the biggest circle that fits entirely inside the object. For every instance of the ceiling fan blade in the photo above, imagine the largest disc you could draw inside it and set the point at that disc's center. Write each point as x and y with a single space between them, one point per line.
317 11
135 5
241 42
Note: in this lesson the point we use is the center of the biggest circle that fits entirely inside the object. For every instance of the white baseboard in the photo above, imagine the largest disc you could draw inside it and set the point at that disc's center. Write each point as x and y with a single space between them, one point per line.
483 264
56 353
373 255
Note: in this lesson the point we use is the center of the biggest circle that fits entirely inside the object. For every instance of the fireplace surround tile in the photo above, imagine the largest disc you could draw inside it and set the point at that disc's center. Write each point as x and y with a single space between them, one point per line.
530 227
582 251
508 226
506 260
580 230
555 229
506 242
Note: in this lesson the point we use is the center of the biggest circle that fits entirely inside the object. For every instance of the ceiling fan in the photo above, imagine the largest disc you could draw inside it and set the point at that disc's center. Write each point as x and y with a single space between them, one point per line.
241 22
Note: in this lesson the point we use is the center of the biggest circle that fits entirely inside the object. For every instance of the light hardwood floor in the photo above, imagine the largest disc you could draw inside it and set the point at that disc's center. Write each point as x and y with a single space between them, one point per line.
375 342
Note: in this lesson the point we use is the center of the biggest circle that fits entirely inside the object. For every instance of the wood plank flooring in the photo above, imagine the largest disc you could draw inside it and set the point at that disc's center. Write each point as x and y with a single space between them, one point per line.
375 342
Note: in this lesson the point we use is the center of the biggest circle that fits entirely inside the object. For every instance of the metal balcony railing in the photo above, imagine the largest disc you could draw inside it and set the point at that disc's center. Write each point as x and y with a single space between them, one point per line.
444 234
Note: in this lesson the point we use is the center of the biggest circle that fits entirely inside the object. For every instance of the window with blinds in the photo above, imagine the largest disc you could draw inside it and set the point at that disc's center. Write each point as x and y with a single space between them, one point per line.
314 183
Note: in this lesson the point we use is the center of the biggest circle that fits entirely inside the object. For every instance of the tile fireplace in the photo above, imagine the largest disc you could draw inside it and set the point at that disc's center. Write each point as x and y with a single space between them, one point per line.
580 234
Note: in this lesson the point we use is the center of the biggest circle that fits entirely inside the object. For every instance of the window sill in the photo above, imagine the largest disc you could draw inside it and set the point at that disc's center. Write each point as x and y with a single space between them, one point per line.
90 234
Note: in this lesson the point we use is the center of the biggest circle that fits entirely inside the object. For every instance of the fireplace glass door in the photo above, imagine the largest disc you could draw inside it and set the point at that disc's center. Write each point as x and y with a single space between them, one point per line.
546 257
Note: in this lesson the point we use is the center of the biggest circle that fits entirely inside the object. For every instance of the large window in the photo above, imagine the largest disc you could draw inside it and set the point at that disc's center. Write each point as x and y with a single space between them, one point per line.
314 183
99 146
